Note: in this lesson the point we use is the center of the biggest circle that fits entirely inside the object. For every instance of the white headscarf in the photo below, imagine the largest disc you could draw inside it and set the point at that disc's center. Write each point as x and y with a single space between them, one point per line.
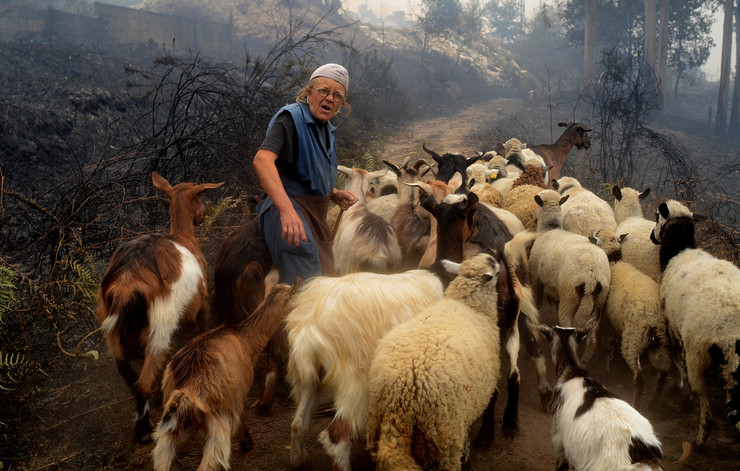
335 72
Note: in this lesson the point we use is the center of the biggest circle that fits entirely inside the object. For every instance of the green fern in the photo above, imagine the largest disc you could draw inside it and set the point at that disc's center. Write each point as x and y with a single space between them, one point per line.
8 290
213 211
12 368
86 279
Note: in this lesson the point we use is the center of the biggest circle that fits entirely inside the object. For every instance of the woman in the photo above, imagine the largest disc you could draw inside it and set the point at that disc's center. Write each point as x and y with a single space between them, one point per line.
297 167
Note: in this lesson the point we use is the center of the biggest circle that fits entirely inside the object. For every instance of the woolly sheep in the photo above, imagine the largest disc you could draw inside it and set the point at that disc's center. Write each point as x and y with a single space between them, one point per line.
592 429
634 309
637 248
487 193
701 298
434 375
584 213
333 329
520 201
567 268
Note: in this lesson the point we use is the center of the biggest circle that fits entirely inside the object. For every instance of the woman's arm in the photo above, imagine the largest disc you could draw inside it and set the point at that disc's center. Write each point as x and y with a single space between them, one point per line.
264 165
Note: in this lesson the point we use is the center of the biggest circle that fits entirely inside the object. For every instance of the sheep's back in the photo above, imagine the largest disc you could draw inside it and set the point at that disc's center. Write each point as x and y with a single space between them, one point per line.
585 213
634 298
637 248
561 259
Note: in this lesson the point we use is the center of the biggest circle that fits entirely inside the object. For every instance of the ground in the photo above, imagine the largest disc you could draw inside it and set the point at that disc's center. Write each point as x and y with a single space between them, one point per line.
80 415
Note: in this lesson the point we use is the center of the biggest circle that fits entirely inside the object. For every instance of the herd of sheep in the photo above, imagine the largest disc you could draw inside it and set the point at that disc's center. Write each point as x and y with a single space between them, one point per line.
439 282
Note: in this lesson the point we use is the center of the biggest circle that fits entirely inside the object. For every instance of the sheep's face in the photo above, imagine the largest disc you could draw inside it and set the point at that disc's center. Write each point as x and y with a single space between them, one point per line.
609 242
671 209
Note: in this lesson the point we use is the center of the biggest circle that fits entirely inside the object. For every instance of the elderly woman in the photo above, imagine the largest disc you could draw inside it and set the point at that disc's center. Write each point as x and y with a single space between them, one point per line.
297 167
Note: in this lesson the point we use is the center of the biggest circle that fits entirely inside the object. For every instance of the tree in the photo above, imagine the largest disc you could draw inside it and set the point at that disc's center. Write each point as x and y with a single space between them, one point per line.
650 22
589 41
720 125
438 18
663 52
504 17
735 114
690 24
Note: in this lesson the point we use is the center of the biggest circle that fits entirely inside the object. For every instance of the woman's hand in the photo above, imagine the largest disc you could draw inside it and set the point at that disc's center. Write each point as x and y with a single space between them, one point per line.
343 198
293 228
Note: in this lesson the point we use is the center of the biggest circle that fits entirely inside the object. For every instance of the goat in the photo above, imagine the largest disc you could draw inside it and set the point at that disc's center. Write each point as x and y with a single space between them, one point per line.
154 285
364 241
206 383
575 134
592 428
449 164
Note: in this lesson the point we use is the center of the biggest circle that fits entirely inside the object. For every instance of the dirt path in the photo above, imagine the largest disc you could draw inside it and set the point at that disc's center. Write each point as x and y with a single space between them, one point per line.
80 416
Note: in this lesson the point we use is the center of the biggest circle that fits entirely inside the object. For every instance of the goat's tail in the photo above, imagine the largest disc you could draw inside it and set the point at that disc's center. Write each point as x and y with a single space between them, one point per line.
123 319
170 429
395 447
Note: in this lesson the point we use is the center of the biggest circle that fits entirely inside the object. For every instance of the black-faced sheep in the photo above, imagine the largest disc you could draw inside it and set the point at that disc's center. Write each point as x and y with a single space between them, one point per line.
592 429
155 285
701 298
434 375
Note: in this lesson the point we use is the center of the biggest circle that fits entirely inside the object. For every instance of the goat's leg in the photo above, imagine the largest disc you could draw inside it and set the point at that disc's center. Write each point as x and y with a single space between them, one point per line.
307 398
271 378
531 338
217 450
153 362
164 451
336 441
487 426
511 412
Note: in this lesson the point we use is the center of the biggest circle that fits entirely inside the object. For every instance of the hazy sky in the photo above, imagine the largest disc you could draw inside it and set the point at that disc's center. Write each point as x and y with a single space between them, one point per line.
387 6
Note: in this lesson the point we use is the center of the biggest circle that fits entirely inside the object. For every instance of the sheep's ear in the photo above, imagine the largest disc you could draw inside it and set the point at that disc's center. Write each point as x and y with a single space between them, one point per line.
622 237
700 217
593 239
555 184
393 167
663 210
644 194
538 200
564 199
471 183
450 266
617 192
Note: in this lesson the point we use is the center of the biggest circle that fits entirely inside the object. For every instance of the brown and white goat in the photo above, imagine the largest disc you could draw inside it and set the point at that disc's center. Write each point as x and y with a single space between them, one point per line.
205 384
154 285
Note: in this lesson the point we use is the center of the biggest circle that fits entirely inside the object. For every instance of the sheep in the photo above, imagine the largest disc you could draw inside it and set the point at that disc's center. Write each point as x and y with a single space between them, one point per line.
434 375
592 429
333 329
517 155
155 285
479 172
637 248
205 384
554 155
486 193
634 309
566 268
364 241
701 299
520 198
584 213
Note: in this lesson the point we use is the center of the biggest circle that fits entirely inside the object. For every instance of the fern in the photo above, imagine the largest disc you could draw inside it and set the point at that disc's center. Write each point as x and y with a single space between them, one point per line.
86 279
8 290
12 368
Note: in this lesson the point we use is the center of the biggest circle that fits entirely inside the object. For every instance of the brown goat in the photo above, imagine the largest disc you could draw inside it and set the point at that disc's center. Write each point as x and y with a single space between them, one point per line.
154 285
575 134
205 384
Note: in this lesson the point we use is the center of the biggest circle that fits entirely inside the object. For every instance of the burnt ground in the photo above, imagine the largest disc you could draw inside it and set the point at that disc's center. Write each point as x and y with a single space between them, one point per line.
75 413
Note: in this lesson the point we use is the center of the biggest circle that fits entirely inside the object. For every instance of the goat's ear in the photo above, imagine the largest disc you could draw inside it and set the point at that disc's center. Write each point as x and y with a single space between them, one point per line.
426 188
471 161
427 201
393 167
617 193
271 279
563 124
541 328
644 194
450 267
297 281
472 200
456 181
207 186
345 170
377 174
160 183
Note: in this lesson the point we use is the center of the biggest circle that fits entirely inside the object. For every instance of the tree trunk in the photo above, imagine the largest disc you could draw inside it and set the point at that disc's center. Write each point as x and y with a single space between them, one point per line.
589 44
650 22
720 125
735 114
663 54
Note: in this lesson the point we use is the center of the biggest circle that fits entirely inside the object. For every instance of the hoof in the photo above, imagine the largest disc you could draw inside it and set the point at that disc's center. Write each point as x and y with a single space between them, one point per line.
298 456
510 431
263 409
143 431
546 400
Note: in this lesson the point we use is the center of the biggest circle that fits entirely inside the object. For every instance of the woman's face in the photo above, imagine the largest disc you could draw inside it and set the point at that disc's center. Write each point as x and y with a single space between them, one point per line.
325 98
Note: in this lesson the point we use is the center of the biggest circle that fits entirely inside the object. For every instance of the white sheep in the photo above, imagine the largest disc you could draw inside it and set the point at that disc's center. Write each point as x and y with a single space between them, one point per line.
487 193
637 249
584 213
701 298
434 375
635 310
333 329
364 241
592 429
566 268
